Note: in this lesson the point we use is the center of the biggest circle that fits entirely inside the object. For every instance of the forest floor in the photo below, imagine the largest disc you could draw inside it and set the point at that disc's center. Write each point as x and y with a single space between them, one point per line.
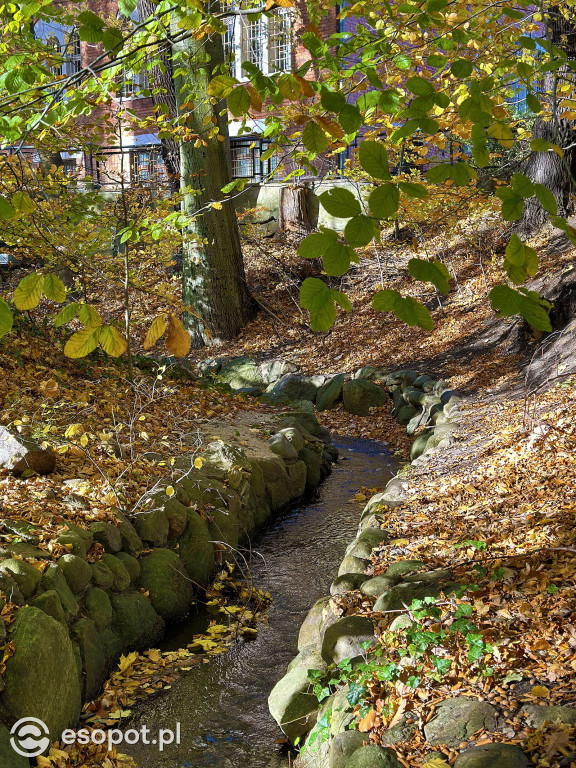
509 482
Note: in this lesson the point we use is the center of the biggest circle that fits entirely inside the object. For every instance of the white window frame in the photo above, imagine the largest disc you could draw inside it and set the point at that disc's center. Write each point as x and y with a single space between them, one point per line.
237 40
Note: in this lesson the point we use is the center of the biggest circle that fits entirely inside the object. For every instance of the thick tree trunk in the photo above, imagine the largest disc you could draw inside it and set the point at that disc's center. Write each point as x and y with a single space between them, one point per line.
294 210
213 280
164 79
557 174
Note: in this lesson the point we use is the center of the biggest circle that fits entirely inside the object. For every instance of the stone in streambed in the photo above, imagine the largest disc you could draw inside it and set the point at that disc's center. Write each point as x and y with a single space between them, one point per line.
343 747
291 704
373 757
164 577
457 720
330 393
496 755
345 638
359 395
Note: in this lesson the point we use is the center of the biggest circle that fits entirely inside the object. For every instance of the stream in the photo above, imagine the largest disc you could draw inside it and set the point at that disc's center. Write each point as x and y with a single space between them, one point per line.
222 706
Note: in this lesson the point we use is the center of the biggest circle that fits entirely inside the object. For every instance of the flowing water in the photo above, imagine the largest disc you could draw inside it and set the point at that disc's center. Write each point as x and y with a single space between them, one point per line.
222 706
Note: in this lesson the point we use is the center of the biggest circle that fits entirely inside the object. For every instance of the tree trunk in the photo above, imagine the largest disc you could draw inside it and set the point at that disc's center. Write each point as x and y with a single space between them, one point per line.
167 100
558 175
214 286
294 210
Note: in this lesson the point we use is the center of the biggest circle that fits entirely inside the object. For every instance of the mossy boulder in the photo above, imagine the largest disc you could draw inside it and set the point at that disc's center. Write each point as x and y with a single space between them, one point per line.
8 757
496 755
177 515
241 373
77 572
401 595
163 576
135 621
130 563
373 757
457 720
352 564
121 576
330 394
53 578
347 583
92 654
131 542
377 585
343 747
293 387
224 527
152 527
313 468
310 628
405 414
102 576
49 602
196 550
419 445
98 607
108 535
25 575
359 395
43 661
202 490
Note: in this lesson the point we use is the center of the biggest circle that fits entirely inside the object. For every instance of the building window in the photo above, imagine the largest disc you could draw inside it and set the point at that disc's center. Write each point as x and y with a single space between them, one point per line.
265 43
246 159
54 44
69 167
133 83
72 54
147 167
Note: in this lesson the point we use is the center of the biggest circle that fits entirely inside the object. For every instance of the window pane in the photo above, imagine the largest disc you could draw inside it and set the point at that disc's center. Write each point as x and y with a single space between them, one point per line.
280 49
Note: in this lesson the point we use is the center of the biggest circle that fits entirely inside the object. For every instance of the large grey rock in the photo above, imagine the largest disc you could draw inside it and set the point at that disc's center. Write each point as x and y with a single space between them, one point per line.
359 395
330 393
306 423
77 572
25 575
352 564
343 746
241 373
43 662
457 720
537 715
19 454
345 637
196 550
496 755
402 731
298 474
342 711
309 657
292 704
280 445
294 436
293 387
135 621
225 462
313 468
272 370
377 585
373 757
164 577
310 628
419 445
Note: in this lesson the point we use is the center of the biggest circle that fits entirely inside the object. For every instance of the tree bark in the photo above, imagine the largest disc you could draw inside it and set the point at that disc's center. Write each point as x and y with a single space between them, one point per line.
293 210
214 287
547 168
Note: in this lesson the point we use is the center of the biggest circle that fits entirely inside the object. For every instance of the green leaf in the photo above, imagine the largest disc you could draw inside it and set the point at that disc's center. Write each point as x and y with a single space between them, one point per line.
126 7
313 246
331 101
389 101
66 314
341 299
521 261
430 272
314 138
359 231
314 293
29 291
384 201
221 86
323 319
402 61
546 199
22 203
7 211
510 302
239 101
54 289
289 86
541 145
437 60
460 173
373 158
337 258
412 189
6 319
340 202
406 309
82 343
461 68
420 86
350 118
523 186
533 103
512 208
502 133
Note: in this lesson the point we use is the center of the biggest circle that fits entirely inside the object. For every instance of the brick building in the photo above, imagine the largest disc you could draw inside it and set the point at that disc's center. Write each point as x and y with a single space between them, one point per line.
134 155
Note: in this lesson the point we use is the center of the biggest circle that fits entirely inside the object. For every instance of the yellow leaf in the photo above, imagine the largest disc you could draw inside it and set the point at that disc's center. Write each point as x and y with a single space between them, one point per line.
170 491
435 762
178 339
84 440
82 343
54 288
155 331
198 461
29 291
112 341
88 316
126 662
49 387
74 429
541 691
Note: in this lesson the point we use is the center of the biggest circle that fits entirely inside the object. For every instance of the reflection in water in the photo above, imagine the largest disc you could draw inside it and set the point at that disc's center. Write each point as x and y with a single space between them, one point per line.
222 706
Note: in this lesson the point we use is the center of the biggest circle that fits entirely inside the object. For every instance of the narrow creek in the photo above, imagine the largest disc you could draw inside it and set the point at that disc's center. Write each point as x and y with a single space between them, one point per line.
222 706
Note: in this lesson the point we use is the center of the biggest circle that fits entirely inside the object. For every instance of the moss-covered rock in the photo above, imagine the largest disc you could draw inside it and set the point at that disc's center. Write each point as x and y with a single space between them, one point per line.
108 535
102 576
373 757
135 621
131 542
313 468
492 756
346 583
292 704
92 654
344 639
53 578
310 628
130 563
98 607
164 577
177 515
241 373
352 564
8 757
49 602
196 550
152 526
457 720
330 394
377 585
43 660
359 395
121 576
25 575
77 572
